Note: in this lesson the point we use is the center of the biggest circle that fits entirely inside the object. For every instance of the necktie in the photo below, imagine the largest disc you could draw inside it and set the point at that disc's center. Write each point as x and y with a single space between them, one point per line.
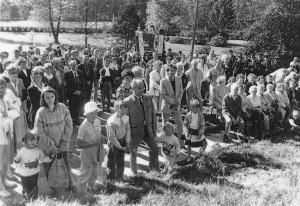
142 105
76 76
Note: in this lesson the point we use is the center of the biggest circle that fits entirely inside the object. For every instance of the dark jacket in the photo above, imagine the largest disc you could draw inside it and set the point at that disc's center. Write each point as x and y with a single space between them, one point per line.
72 85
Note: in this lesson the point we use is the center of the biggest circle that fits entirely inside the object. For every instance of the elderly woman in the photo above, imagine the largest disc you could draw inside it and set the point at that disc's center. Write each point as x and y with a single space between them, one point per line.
34 92
124 90
251 82
54 128
255 107
154 83
283 100
218 92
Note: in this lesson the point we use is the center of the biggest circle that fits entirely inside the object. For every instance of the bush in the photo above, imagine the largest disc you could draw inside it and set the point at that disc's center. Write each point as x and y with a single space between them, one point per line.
203 49
236 35
218 41
179 40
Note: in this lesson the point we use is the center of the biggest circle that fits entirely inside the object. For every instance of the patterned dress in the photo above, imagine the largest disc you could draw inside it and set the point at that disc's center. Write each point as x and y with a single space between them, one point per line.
123 92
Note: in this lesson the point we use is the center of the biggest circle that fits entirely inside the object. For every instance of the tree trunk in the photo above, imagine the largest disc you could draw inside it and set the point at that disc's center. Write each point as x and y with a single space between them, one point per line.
55 33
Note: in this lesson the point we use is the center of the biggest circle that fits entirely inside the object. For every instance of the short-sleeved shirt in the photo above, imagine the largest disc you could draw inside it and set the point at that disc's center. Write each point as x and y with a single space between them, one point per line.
89 131
29 155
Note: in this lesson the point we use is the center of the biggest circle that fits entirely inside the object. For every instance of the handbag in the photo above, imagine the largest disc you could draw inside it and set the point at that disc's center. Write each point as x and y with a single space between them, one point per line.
58 175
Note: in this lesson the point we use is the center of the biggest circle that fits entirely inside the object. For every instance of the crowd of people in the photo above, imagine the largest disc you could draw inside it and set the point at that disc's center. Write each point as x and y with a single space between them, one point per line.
44 93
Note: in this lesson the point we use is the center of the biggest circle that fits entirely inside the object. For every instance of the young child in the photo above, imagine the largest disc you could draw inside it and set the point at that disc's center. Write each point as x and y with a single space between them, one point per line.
170 147
193 128
28 166
118 132
91 141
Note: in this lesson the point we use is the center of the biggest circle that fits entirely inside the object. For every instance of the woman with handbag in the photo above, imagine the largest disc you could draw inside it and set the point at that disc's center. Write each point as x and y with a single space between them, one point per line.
193 128
54 128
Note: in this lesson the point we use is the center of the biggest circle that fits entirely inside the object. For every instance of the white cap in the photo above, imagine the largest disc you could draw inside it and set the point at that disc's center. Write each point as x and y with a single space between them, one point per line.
90 107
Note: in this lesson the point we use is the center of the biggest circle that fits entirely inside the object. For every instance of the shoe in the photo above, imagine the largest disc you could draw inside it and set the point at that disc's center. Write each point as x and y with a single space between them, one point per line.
225 138
72 188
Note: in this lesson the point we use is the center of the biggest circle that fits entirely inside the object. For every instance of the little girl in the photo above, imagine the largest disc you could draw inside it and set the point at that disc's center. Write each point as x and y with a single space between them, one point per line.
91 141
118 132
193 128
170 147
28 165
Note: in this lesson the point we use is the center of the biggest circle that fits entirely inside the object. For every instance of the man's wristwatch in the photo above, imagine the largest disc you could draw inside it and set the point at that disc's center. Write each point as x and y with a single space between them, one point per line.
90 143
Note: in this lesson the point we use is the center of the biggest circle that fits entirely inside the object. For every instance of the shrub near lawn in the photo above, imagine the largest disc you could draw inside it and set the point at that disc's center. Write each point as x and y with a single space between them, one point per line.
180 40
218 41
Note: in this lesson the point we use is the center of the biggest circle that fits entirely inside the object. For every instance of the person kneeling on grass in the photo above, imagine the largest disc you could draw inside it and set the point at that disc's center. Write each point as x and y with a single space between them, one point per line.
194 127
118 132
294 122
91 141
30 175
170 147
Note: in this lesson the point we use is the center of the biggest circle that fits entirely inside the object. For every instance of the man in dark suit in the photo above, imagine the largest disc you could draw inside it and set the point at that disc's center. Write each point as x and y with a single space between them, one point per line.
88 74
107 76
97 62
24 73
143 124
75 86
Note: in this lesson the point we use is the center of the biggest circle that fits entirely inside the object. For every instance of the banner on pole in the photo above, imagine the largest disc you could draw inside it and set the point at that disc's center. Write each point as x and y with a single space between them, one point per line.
160 48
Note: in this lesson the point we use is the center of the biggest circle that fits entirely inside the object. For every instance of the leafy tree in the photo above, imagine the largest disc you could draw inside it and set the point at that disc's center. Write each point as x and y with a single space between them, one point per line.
53 11
170 14
222 17
277 31
128 22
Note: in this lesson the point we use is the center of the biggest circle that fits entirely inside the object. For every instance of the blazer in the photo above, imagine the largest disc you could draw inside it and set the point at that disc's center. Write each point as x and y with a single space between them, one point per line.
136 118
97 67
88 74
71 85
168 94
26 79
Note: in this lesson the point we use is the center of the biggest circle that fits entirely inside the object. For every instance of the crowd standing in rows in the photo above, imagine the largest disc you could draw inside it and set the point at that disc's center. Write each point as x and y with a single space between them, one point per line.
43 94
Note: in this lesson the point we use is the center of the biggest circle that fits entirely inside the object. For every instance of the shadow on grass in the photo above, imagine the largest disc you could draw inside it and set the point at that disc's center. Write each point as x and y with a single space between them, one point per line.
286 137
137 187
213 166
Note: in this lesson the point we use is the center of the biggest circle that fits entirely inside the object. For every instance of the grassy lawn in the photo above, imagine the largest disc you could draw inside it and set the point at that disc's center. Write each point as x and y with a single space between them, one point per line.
263 173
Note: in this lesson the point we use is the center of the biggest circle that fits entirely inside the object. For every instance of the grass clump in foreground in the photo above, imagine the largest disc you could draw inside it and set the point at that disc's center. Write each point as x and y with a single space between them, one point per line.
264 173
